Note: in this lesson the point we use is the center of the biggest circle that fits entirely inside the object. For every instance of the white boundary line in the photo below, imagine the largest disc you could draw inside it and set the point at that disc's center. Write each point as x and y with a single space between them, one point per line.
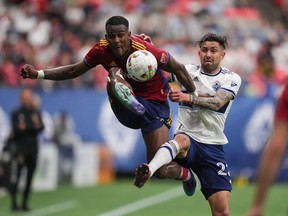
53 209
149 201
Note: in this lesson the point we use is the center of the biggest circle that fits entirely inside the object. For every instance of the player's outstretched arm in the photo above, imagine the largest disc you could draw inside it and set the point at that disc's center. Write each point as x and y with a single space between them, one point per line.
58 73
175 67
211 102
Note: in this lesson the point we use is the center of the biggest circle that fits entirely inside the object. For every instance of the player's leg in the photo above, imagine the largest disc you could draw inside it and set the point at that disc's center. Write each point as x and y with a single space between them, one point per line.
31 165
166 153
124 115
214 175
177 148
162 165
219 203
16 168
153 141
155 124
123 91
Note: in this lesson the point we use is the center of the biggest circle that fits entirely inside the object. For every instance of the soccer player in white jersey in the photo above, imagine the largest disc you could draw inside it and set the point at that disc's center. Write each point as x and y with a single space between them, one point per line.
199 139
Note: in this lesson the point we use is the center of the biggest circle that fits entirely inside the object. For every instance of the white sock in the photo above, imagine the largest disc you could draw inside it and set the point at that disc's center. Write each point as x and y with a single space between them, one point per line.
165 154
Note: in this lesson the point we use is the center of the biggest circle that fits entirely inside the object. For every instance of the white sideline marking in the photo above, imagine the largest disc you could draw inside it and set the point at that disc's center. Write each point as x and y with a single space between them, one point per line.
149 201
53 209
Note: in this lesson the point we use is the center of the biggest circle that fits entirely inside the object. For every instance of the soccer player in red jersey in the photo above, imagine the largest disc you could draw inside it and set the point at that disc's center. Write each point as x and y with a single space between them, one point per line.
272 155
137 105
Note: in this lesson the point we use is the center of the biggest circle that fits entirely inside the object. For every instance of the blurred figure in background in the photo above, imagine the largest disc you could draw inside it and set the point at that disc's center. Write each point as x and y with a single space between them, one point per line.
5 153
272 155
66 140
5 164
27 124
47 118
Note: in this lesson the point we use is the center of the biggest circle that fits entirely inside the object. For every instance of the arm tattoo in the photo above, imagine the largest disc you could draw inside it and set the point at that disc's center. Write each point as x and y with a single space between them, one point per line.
215 103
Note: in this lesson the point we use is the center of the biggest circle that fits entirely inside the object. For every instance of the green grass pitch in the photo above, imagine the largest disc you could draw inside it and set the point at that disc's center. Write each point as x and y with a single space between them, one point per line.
157 197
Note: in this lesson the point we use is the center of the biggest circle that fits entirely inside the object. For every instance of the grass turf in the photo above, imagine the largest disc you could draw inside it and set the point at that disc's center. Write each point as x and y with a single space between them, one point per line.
157 197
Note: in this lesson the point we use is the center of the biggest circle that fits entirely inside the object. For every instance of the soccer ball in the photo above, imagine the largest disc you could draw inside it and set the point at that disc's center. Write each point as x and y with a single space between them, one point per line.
141 65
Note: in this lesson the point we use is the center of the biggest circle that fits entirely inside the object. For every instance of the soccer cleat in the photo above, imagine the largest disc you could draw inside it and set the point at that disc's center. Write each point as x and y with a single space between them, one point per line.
142 174
190 185
125 96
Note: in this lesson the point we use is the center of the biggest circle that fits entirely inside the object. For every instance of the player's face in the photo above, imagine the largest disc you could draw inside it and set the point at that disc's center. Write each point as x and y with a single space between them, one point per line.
211 54
118 38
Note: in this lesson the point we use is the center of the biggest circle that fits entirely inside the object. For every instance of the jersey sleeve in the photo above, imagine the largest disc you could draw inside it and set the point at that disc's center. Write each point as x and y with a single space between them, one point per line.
191 68
232 84
93 57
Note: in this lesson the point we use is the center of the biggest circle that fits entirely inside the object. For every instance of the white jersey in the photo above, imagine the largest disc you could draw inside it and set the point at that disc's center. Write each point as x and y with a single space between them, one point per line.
202 124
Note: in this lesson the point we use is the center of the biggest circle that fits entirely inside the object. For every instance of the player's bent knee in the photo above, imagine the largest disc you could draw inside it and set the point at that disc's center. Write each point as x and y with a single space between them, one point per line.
183 141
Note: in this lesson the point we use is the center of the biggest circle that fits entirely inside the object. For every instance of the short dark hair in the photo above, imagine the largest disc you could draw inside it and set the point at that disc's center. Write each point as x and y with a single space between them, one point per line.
117 20
222 40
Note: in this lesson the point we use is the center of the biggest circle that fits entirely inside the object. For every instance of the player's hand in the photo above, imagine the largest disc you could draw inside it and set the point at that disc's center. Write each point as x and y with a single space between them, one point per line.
176 95
145 38
28 71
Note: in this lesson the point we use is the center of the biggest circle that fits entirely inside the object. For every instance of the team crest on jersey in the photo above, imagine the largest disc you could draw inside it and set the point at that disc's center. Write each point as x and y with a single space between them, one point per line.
164 58
216 86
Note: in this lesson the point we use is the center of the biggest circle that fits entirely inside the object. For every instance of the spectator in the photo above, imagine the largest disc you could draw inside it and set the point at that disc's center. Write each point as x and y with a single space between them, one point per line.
66 140
62 31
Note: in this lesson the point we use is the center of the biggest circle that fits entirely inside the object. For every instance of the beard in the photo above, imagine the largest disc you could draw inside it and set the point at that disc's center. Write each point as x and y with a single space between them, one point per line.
209 68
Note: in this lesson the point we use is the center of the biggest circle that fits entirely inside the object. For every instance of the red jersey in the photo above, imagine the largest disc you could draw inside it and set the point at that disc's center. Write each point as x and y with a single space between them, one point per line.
155 89
282 105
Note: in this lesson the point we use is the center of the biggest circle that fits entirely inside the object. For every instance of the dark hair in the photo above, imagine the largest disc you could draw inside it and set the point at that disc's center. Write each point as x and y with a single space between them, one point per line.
117 20
222 40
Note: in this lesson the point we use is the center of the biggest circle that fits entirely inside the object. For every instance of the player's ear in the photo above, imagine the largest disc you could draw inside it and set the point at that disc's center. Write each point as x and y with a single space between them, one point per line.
223 54
129 33
106 36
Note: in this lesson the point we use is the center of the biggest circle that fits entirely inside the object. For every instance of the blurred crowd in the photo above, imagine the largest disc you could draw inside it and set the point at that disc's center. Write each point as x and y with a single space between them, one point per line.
50 33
